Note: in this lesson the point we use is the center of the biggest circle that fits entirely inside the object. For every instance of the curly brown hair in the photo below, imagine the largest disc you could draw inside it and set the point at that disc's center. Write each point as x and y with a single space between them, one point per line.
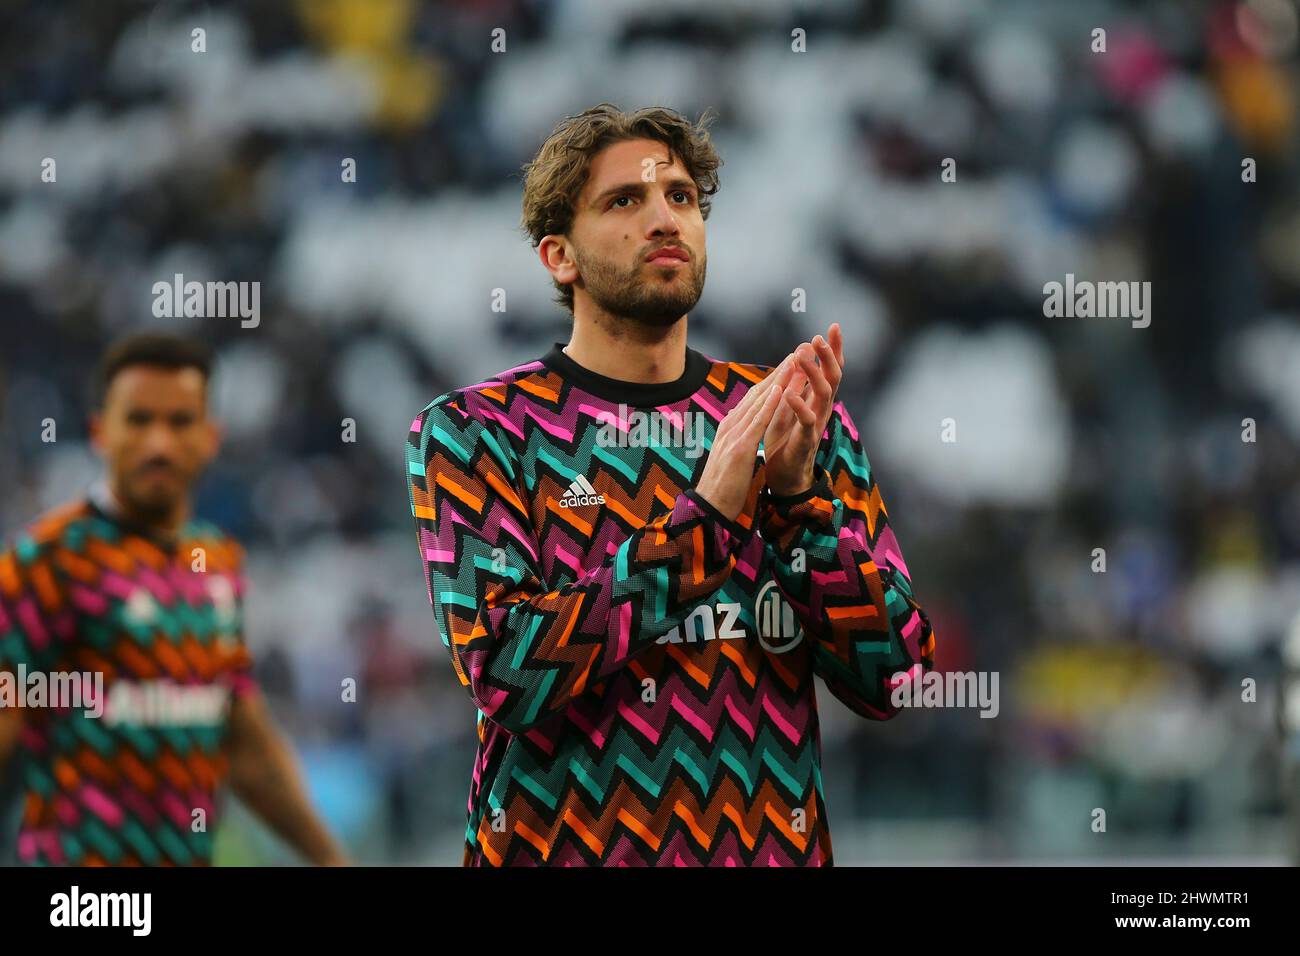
556 175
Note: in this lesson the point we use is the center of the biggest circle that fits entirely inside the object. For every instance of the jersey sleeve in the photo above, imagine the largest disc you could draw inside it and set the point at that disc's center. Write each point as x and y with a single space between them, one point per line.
32 603
837 561
523 649
239 661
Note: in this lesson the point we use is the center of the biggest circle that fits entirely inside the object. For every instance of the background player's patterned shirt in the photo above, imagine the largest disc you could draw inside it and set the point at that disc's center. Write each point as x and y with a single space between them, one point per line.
642 666
81 592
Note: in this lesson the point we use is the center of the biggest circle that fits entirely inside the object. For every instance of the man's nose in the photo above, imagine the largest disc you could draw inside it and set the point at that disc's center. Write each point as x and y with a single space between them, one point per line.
159 440
663 220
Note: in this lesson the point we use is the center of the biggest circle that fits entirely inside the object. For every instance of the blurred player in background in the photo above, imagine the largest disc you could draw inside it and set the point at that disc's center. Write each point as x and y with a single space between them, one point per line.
637 597
130 694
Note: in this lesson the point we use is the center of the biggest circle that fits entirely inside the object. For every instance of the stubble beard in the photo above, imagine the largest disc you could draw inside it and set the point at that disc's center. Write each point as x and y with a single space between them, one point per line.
642 294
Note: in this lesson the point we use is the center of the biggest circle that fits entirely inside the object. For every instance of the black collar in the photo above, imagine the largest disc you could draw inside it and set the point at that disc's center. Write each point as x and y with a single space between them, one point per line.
639 394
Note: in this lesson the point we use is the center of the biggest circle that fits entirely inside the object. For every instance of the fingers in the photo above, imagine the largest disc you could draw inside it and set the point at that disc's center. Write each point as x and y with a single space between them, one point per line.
784 416
752 423
822 393
801 409
829 365
808 378
801 389
814 381
802 370
753 398
763 415
836 336
759 410
777 375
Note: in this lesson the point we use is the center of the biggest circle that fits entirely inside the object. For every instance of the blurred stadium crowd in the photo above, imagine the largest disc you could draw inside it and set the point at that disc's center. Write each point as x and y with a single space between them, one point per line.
1121 689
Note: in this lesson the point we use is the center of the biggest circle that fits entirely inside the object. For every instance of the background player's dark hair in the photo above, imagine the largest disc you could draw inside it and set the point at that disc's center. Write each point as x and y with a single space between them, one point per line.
148 348
556 175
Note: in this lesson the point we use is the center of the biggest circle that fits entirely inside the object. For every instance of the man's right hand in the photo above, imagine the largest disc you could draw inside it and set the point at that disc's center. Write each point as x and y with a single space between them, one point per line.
729 470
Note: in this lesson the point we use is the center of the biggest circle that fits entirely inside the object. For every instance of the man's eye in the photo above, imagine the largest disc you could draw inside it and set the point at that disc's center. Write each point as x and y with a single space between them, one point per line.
618 199
683 192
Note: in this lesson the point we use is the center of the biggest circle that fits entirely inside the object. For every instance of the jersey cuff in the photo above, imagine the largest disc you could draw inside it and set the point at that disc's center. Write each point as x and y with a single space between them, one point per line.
781 515
733 532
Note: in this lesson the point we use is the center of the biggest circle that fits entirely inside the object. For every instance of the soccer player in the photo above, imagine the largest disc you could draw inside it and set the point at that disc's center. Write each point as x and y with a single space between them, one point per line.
638 615
121 645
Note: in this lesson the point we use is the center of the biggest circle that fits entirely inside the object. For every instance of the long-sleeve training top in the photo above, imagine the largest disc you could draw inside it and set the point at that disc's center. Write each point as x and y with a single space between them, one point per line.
642 666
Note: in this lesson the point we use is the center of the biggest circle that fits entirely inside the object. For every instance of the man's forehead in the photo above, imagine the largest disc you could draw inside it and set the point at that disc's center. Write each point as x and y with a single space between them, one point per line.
154 383
624 161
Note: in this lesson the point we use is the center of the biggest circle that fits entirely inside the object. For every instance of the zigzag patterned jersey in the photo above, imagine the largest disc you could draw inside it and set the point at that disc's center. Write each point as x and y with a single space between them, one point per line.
119 781
642 666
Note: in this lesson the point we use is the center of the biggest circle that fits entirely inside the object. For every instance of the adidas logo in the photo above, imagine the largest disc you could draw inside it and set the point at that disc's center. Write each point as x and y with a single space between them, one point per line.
581 493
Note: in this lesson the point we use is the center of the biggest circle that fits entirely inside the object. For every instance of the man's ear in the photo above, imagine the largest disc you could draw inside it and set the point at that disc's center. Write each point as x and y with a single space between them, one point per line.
557 256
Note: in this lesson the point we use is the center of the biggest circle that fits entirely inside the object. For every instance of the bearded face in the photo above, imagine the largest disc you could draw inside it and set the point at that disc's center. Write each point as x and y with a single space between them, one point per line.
655 293
636 248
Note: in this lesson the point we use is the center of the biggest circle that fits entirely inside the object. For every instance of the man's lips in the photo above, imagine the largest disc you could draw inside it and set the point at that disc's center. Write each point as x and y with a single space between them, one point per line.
669 255
150 471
